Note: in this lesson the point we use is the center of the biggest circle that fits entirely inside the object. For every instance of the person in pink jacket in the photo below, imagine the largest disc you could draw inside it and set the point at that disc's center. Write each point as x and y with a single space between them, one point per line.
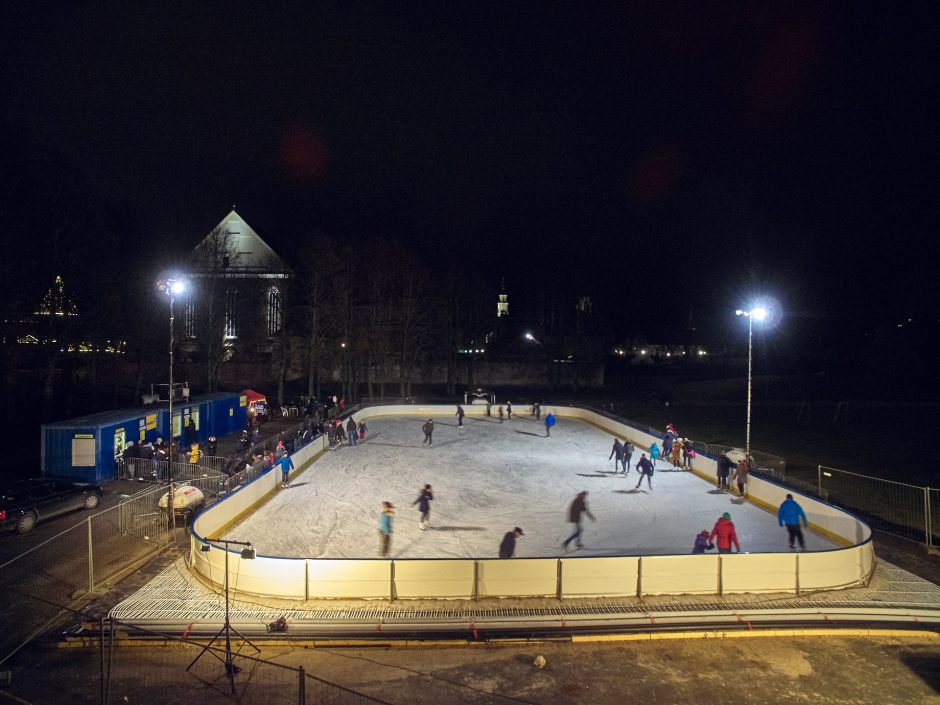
724 531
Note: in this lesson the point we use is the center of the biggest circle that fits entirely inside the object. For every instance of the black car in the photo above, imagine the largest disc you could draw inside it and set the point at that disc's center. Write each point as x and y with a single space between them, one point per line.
26 502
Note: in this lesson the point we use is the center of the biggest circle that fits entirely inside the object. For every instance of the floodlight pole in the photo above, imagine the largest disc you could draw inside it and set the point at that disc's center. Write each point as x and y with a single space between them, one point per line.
750 367
172 495
230 668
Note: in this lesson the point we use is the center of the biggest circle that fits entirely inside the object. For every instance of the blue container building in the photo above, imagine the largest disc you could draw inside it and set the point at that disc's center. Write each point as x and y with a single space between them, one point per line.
84 449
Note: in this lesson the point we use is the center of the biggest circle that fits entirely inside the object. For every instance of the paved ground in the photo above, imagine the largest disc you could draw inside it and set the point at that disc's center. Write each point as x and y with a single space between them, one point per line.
748 671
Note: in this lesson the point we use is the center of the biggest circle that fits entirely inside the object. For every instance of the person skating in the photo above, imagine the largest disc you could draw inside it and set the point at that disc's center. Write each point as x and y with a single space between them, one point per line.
702 543
352 431
286 466
500 414
724 469
628 450
549 422
668 440
724 531
575 511
509 411
645 468
331 434
688 453
460 415
617 450
428 429
424 506
508 545
385 528
654 454
790 515
741 474
362 431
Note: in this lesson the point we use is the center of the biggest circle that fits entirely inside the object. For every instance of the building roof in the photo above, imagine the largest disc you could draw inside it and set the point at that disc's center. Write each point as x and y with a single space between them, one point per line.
234 249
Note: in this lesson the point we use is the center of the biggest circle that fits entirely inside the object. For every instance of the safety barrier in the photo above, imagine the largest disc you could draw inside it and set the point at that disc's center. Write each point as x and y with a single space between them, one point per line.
537 577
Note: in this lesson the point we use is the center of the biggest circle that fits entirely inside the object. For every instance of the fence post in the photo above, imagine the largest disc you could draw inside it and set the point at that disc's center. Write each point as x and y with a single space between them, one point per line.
721 587
558 581
101 656
91 560
927 533
301 687
819 481
476 581
797 556
639 578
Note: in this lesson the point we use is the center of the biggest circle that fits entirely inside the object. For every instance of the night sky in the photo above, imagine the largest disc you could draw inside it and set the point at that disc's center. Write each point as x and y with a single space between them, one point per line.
660 157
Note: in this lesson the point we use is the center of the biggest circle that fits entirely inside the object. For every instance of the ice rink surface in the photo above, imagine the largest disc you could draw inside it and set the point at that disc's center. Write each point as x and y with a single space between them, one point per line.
487 478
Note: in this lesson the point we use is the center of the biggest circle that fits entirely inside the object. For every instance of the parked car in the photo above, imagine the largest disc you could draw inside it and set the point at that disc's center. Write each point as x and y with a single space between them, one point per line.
25 502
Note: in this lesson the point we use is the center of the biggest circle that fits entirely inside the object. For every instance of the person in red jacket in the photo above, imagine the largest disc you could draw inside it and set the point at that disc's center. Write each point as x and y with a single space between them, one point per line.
724 530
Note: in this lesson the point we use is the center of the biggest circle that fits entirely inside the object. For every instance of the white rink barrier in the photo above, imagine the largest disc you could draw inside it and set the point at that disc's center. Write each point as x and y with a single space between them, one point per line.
625 576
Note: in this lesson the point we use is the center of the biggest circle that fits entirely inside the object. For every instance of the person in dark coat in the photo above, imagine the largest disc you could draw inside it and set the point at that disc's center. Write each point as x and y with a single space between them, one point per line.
508 546
460 415
702 543
424 506
352 432
212 445
617 450
509 411
724 470
628 451
644 467
331 434
575 511
428 429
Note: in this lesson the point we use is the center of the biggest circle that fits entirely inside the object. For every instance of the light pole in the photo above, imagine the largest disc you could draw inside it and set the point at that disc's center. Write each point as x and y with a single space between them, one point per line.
758 313
171 287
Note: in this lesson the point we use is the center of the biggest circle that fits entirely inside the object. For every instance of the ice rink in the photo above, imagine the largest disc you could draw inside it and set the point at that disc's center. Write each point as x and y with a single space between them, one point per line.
487 478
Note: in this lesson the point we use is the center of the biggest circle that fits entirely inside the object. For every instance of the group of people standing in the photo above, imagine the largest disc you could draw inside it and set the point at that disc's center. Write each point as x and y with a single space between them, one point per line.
352 433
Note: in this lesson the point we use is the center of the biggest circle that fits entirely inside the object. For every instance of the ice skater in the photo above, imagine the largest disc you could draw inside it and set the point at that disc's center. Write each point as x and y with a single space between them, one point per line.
352 431
724 470
618 451
286 466
644 467
702 543
741 474
385 527
362 431
549 422
424 506
428 429
628 451
724 532
508 545
500 414
575 511
460 415
790 514
509 411
654 454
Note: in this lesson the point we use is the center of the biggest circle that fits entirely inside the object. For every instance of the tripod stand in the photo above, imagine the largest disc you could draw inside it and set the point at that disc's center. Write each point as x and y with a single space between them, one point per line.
248 553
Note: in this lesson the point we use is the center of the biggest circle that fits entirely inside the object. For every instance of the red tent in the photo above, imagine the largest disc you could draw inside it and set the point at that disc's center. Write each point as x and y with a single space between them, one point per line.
254 397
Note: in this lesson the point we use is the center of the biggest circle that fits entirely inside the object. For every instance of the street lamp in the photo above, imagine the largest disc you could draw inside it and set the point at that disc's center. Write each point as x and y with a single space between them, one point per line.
172 288
758 313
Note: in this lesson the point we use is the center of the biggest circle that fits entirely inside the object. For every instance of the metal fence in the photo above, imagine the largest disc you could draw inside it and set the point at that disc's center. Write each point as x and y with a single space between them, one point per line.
893 507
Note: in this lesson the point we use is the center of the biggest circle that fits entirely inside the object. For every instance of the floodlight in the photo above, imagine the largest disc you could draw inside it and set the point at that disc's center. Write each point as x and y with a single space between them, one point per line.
205 548
248 553
529 336
759 313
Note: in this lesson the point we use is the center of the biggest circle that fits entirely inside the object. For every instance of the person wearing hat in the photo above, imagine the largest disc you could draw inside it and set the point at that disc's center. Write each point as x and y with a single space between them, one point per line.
577 508
702 543
724 531
385 527
508 546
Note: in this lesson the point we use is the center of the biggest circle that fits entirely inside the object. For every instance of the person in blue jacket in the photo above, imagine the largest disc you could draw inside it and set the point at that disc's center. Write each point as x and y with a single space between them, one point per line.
549 422
385 527
286 466
790 514
654 454
702 543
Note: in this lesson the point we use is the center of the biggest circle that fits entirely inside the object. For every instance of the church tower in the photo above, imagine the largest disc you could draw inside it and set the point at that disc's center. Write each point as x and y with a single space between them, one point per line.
502 305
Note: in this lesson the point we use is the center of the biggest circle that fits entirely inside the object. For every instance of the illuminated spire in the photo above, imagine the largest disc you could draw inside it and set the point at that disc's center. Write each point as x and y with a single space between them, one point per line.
56 302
